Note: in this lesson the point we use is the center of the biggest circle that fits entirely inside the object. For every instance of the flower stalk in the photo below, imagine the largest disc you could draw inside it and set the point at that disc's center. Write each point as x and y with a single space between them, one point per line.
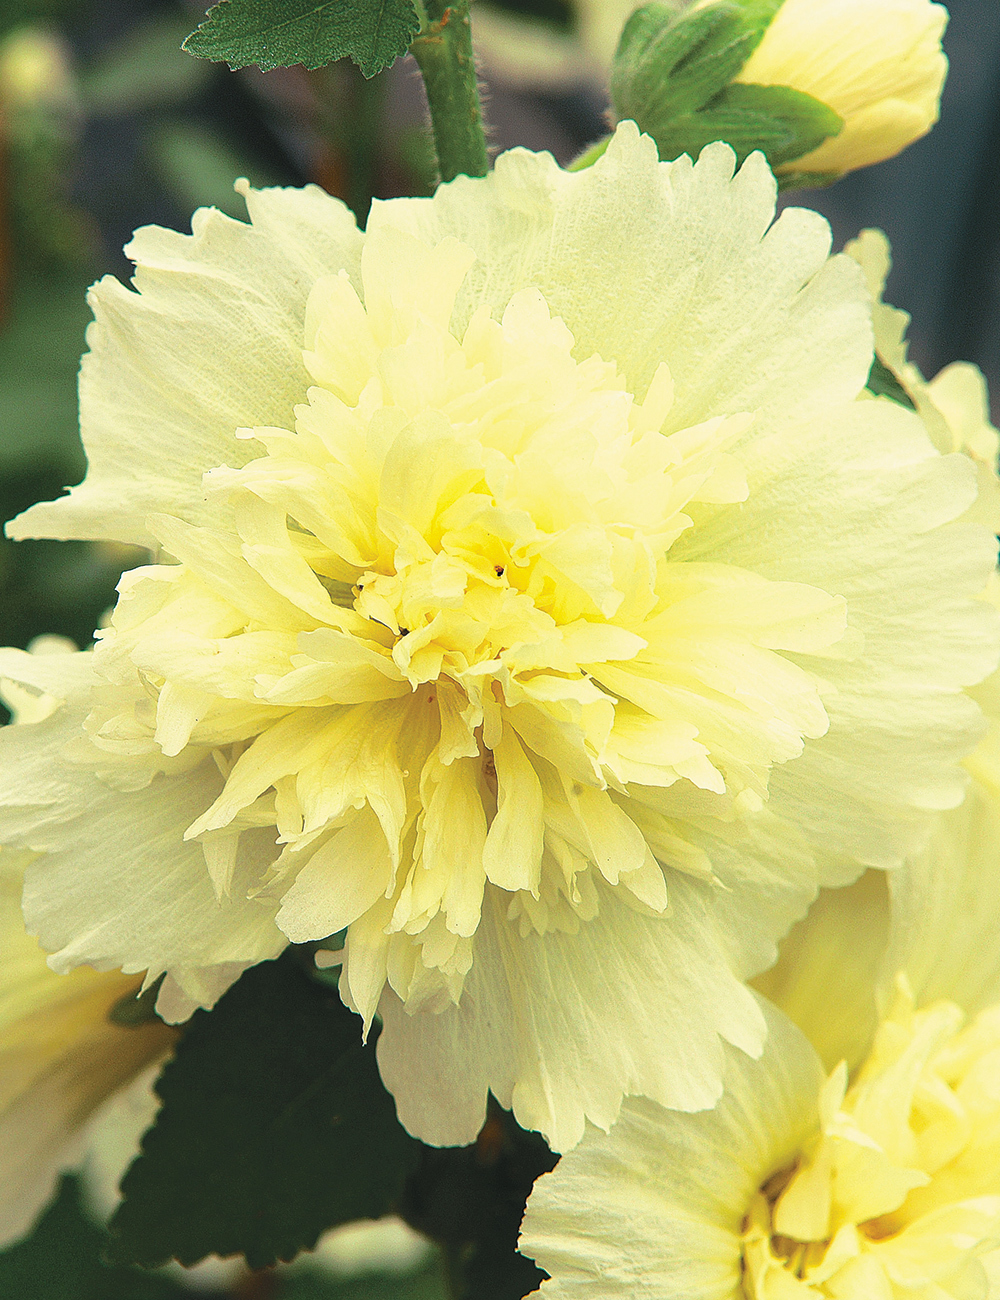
443 51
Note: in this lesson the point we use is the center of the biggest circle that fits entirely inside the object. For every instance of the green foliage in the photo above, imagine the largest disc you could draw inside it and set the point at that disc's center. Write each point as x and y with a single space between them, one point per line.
146 68
279 33
197 166
22 13
471 1201
40 348
671 63
783 123
61 1260
46 586
274 1127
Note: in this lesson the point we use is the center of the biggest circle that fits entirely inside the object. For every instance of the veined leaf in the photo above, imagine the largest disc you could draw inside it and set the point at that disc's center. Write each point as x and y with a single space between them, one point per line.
279 33
274 1127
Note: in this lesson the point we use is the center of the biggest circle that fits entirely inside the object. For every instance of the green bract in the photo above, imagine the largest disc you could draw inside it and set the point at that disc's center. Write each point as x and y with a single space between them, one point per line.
672 76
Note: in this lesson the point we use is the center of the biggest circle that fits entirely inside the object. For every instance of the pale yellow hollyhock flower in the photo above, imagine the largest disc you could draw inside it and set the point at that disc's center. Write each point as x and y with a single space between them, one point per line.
536 602
859 1158
954 405
877 63
884 1185
60 1056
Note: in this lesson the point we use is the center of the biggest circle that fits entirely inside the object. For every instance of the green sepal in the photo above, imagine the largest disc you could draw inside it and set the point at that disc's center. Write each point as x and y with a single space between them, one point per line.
279 33
672 59
274 1127
783 123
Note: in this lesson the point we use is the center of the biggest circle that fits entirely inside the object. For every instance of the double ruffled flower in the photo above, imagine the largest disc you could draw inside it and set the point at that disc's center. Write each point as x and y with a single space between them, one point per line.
535 605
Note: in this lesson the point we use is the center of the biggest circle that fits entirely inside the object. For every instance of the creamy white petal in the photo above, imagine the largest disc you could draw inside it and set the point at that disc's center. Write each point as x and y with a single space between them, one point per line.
210 343
60 1058
879 699
559 1026
99 842
946 909
827 977
776 324
655 1207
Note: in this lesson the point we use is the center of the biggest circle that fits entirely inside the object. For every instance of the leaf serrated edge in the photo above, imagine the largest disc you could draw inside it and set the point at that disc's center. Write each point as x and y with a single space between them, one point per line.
369 66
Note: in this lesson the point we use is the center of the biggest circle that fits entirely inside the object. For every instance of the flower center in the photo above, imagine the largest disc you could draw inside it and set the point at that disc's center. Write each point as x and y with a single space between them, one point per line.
899 1193
445 639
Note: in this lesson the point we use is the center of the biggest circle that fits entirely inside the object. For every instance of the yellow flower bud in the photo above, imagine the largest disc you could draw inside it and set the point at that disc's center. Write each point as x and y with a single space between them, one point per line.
878 63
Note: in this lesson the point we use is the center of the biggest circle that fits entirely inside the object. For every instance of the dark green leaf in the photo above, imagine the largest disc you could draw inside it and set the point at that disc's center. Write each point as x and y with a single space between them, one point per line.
61 1260
275 1126
667 67
883 383
783 123
40 348
278 33
471 1201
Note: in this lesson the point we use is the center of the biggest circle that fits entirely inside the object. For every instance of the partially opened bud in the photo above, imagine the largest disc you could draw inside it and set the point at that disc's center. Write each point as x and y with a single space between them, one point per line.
819 86
877 63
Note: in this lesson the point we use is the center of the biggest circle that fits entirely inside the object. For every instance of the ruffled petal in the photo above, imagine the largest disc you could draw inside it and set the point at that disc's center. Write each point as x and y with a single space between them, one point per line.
655 1207
776 324
210 343
118 886
60 1058
559 1026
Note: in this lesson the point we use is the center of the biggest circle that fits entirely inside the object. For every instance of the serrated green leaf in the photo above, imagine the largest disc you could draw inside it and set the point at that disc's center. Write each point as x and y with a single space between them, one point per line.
274 1127
279 33
783 123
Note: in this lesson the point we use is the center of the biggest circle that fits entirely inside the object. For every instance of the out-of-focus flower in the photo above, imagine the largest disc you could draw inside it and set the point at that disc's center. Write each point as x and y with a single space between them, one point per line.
876 63
35 73
546 611
61 1057
878 1179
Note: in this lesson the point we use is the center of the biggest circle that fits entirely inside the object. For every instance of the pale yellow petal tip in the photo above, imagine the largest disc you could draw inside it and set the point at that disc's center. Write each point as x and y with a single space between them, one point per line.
872 252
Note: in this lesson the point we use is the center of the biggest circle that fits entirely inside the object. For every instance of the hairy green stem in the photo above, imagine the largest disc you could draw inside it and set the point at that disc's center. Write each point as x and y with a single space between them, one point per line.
443 51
